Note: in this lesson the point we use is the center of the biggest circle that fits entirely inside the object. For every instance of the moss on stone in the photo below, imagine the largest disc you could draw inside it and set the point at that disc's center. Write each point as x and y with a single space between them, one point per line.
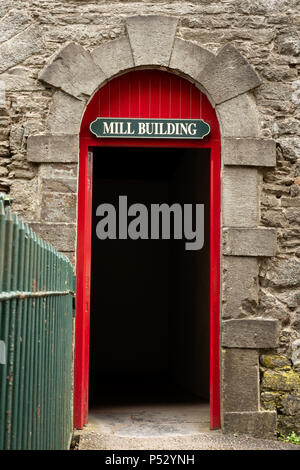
281 380
275 361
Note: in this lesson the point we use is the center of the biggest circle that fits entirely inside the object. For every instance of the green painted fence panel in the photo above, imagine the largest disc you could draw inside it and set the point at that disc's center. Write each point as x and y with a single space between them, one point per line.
36 321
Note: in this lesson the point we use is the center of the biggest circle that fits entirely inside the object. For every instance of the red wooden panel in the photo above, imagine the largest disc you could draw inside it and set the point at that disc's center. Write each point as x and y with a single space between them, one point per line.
148 94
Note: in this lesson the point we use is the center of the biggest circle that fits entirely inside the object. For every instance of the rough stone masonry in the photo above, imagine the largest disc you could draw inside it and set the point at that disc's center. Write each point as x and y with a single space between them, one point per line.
266 33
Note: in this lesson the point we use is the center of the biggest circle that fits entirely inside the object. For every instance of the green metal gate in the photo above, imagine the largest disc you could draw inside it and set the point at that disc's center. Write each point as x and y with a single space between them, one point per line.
36 306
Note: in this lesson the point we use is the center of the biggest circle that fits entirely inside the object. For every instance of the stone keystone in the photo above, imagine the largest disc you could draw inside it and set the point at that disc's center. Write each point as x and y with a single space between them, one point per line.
151 38
228 75
73 70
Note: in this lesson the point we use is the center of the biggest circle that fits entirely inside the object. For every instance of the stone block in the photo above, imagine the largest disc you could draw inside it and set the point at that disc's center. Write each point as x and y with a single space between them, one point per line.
250 333
13 23
238 117
113 57
250 152
59 185
281 380
52 148
59 208
240 284
256 424
73 70
65 114
228 75
240 207
61 236
240 380
249 241
151 38
283 273
189 58
20 47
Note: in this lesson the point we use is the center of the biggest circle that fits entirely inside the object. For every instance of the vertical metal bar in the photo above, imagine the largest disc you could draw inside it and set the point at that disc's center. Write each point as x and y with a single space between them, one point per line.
11 315
43 348
39 348
21 426
32 356
3 320
16 409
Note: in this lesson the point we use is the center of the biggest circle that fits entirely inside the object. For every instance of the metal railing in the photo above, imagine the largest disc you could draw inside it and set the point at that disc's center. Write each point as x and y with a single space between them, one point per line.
36 318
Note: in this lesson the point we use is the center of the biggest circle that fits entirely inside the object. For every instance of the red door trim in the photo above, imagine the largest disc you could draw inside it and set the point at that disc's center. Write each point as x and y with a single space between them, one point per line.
81 368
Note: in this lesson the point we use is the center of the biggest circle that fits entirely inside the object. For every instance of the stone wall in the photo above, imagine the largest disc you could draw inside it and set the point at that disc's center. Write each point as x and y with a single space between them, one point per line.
266 32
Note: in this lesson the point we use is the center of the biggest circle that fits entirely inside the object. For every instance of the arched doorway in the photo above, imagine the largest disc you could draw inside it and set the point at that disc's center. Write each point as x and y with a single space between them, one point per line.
148 94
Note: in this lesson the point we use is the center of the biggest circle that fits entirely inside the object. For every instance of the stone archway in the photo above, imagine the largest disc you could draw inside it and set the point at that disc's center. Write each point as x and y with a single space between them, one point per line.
227 79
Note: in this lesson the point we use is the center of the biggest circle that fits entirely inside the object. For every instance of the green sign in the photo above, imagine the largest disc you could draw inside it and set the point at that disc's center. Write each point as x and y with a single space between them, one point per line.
150 128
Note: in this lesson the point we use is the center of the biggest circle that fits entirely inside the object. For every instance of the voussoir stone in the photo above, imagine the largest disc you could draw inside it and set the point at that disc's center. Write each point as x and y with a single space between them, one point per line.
52 148
238 117
113 57
249 151
189 58
65 114
151 38
73 70
249 241
250 333
228 75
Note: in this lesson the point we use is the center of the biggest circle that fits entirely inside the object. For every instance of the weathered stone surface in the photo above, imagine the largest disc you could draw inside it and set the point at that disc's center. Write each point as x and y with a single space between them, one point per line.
257 424
73 70
241 380
283 273
291 405
249 241
59 208
286 381
59 185
20 47
238 117
228 75
65 114
151 38
250 152
240 284
288 424
61 236
189 58
52 148
13 23
296 355
240 207
275 361
250 333
113 57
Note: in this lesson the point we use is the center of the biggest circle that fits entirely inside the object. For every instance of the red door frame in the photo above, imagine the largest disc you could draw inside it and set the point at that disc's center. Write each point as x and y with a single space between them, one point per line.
87 141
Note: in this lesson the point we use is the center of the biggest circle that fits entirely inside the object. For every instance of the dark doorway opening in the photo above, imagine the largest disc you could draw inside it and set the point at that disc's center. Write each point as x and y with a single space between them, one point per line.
149 333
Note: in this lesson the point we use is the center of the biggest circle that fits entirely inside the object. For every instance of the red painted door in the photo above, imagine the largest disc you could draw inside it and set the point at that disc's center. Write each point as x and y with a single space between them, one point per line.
144 94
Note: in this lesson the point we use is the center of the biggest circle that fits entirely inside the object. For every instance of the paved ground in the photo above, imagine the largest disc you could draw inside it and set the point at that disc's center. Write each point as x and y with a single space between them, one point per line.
163 427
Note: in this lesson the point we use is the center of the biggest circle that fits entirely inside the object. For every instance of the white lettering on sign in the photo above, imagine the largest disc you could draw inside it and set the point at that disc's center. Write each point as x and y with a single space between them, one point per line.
150 128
